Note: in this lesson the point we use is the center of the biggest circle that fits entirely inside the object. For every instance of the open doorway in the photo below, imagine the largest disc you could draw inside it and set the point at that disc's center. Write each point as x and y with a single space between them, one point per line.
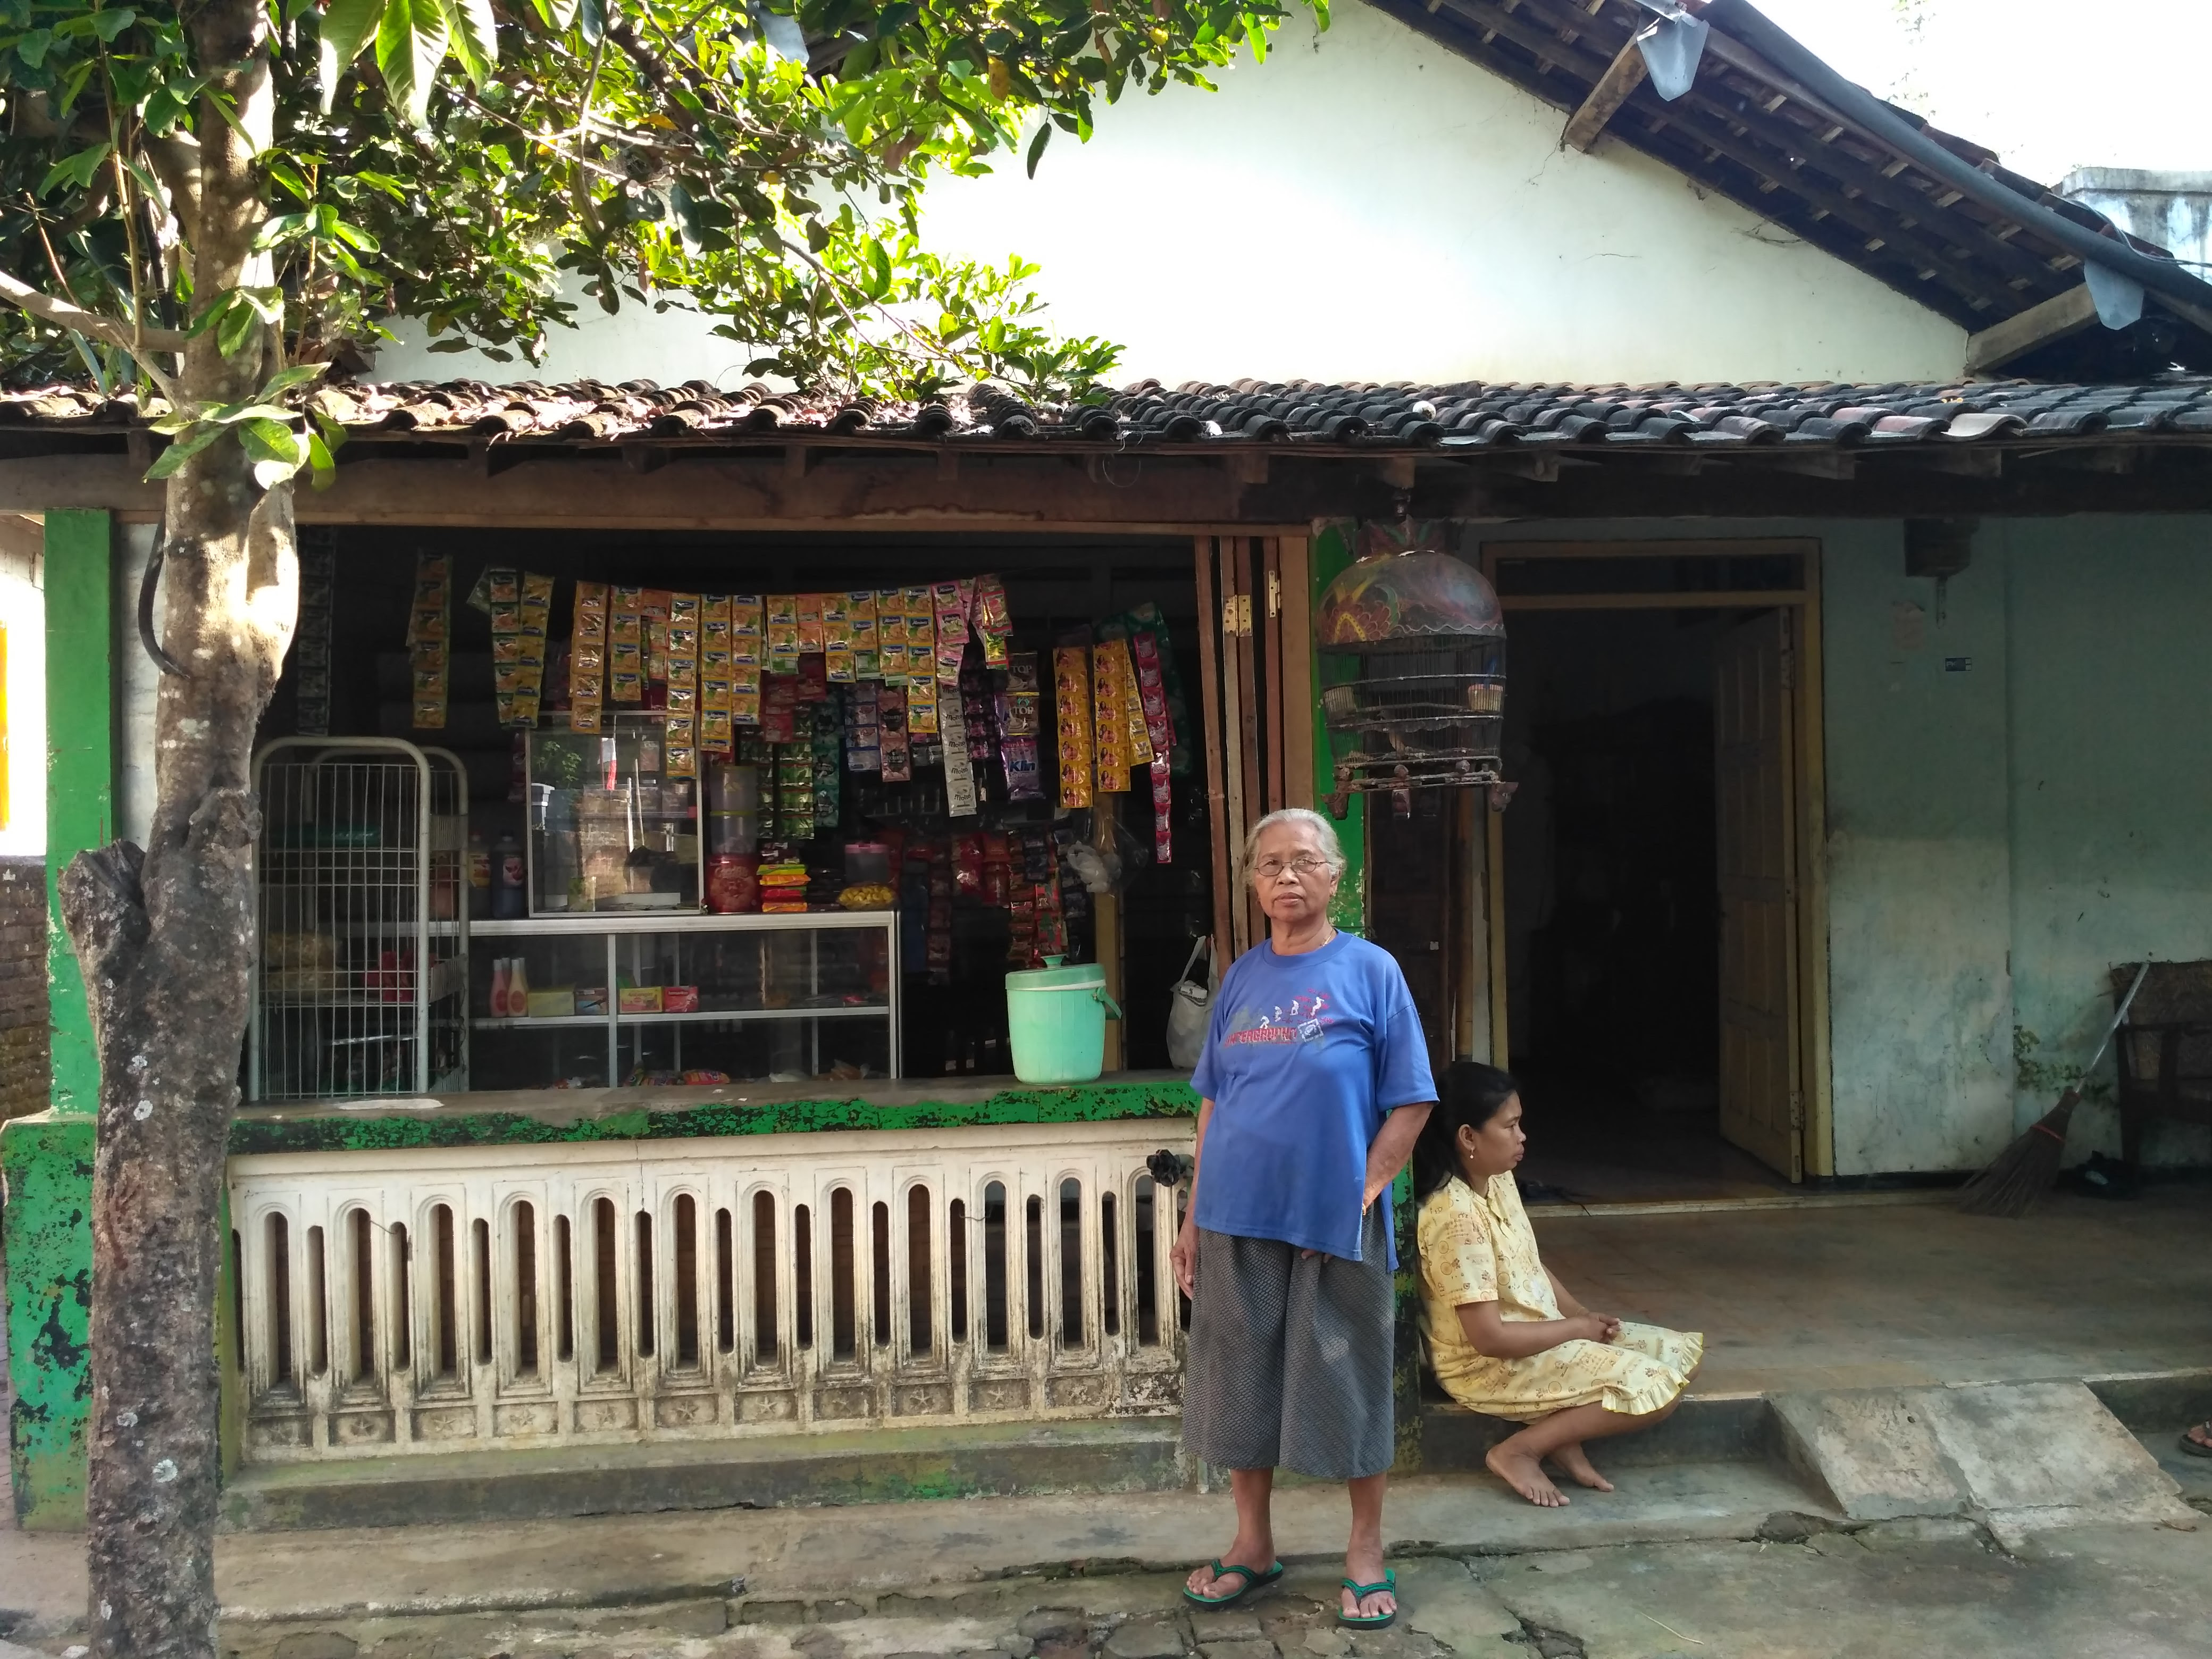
1647 915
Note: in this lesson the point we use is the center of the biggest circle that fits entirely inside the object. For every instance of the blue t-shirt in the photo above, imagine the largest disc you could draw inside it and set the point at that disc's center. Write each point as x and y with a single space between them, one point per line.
1306 1056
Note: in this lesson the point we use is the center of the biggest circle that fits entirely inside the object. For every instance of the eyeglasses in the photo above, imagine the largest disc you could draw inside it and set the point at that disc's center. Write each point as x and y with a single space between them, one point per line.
1304 864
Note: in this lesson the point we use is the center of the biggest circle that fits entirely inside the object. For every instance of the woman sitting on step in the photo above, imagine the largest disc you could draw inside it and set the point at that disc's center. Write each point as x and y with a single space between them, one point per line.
1505 1336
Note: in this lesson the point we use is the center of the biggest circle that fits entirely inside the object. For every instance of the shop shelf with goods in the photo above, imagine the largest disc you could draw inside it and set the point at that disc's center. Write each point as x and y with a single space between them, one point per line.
361 966
607 1000
610 831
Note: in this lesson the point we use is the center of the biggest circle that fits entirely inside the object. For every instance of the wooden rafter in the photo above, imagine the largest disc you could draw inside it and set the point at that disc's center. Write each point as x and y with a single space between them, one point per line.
2039 325
1625 74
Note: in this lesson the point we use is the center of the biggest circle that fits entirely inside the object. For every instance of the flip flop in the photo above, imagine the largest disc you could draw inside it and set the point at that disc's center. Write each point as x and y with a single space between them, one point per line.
2195 1448
1253 1580
1360 1593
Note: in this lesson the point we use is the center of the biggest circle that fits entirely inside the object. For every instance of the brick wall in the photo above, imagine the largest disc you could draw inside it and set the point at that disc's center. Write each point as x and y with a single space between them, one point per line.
23 1038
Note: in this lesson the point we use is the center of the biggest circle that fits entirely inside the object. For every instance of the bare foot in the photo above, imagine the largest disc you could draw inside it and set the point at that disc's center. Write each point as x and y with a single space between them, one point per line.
1518 1470
1210 1586
1571 1458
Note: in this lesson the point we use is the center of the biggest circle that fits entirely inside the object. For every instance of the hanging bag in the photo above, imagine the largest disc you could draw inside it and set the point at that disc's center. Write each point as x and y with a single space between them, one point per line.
1190 1008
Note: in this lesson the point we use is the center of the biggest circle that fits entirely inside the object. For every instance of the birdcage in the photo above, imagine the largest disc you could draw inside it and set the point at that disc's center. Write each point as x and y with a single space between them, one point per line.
1412 653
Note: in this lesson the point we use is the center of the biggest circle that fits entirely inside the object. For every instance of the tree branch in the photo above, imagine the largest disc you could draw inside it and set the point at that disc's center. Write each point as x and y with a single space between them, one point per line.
76 319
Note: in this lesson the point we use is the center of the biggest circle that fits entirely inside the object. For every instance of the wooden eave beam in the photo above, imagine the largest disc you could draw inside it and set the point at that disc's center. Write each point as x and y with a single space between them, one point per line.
1774 130
1611 92
2054 318
1716 134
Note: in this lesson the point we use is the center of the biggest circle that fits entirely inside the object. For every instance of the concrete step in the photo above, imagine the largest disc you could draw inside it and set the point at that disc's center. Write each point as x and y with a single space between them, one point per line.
1704 1428
534 1484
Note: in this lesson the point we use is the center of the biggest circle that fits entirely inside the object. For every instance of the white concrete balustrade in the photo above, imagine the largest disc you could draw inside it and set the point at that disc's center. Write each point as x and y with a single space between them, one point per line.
421 1300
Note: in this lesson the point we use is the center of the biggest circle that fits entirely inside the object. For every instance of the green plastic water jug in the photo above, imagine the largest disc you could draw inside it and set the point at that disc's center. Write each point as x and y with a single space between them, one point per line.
1056 1021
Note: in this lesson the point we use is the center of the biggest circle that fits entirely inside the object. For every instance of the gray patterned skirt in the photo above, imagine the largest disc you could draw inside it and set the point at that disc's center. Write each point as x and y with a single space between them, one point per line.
1289 1361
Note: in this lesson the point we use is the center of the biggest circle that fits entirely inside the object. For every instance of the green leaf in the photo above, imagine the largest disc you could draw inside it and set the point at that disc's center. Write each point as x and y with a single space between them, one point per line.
180 452
109 24
475 32
410 45
323 463
290 177
75 169
348 26
273 441
283 381
238 325
1037 144
31 48
591 16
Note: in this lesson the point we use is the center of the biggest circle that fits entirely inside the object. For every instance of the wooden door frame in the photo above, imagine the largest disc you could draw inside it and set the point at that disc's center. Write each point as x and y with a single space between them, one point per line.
1817 1134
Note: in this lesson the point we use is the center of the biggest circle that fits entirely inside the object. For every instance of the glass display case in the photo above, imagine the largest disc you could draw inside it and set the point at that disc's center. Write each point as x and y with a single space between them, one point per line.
600 1001
609 832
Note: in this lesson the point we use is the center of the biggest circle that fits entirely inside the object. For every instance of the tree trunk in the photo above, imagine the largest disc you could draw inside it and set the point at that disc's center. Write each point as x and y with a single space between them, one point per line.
165 938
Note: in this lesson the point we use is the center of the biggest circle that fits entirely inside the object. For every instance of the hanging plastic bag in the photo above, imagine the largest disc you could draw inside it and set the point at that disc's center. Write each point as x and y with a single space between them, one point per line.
1190 1007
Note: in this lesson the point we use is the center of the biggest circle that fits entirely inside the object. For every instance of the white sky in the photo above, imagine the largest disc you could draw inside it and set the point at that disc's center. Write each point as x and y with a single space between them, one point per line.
2049 84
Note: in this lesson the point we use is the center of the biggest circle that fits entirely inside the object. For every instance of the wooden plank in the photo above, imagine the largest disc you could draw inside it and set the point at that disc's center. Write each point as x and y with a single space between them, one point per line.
1494 895
1299 713
1213 749
1820 1132
1611 92
1243 557
1744 600
1232 741
2039 325
1270 597
1698 548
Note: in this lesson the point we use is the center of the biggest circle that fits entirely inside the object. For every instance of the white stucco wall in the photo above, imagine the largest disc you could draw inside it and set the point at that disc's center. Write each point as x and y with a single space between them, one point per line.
23 619
1367 206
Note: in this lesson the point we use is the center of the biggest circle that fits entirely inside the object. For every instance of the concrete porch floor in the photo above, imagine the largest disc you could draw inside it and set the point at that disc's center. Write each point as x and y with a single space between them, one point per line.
1898 1295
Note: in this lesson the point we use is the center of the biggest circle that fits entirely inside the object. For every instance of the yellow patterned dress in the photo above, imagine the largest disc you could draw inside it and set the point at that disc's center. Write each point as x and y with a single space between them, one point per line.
1479 1247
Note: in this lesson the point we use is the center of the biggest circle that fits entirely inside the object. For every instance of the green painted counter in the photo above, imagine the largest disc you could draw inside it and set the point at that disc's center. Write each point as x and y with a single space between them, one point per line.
542 1116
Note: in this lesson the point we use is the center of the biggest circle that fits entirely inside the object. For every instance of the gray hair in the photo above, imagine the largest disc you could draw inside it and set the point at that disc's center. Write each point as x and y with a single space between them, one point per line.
1324 831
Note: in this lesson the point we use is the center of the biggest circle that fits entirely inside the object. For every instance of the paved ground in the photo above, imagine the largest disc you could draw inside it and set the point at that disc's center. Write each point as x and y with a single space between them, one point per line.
1898 1590
1902 1295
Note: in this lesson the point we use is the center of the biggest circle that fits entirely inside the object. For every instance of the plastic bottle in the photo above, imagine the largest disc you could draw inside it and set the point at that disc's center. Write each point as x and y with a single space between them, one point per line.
499 988
509 899
479 877
518 990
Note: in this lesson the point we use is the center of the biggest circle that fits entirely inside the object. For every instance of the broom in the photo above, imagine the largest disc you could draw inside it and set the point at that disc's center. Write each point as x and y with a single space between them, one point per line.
2025 1170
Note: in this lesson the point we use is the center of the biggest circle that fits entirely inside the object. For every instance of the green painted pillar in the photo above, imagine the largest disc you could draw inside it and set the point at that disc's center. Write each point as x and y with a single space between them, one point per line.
47 1159
80 573
1334 548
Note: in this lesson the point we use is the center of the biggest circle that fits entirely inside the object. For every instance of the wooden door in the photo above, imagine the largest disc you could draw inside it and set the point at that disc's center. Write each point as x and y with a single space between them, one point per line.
1754 771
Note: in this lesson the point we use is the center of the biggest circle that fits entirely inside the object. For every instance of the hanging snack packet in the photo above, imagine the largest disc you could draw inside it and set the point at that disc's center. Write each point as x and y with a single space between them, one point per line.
1071 707
779 708
626 645
890 635
993 621
1109 725
891 710
959 770
430 643
810 622
860 610
781 639
949 602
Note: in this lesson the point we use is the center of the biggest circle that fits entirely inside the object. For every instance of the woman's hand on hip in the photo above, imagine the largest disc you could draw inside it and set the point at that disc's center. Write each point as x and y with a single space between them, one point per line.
1183 1257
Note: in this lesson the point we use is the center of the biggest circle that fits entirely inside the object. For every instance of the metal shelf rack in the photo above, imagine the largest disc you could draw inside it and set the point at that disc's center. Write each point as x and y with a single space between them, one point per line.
361 932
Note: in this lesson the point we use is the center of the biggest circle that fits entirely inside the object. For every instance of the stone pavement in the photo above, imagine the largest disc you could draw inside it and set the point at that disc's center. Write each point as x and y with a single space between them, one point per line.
1899 1589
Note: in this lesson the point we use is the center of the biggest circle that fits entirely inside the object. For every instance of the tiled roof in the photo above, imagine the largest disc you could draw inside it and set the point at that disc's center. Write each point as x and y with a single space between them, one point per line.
1749 131
1294 415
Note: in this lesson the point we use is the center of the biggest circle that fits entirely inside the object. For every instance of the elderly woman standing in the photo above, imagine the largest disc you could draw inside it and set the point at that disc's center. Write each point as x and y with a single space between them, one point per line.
1315 1084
